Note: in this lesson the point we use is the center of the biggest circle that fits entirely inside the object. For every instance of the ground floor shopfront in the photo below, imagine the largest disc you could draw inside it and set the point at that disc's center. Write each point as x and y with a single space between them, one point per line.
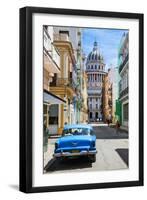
125 112
51 104
60 111
57 115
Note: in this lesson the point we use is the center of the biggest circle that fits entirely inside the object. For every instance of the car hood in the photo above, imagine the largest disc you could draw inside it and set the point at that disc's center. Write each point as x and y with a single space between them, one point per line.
75 141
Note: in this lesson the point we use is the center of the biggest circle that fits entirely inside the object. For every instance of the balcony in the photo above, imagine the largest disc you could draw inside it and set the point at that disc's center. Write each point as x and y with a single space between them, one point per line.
63 82
109 91
55 55
123 92
96 91
61 37
110 103
51 54
121 66
120 86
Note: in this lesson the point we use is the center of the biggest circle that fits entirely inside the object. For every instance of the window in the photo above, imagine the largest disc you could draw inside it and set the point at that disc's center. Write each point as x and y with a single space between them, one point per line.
44 109
91 66
45 38
95 77
95 66
45 115
90 115
125 112
79 33
76 131
96 106
53 114
90 106
64 32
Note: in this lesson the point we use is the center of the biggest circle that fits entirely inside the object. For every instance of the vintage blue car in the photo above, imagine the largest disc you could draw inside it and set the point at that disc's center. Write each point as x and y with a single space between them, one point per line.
76 140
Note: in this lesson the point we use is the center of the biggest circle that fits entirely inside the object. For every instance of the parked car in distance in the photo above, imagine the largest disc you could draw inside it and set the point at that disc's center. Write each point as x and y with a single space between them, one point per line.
77 140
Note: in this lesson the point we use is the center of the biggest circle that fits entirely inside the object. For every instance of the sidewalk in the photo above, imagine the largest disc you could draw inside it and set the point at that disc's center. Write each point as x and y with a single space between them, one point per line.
48 155
122 128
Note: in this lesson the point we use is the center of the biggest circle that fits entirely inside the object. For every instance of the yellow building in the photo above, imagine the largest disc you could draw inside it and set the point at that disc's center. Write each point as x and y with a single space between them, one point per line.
84 95
64 83
51 66
82 106
107 97
64 77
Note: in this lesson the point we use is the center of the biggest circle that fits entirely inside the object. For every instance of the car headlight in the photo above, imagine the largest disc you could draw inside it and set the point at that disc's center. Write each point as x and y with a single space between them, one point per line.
93 144
56 145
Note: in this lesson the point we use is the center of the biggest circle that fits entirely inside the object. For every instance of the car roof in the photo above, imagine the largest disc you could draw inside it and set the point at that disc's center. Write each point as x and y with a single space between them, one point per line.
77 126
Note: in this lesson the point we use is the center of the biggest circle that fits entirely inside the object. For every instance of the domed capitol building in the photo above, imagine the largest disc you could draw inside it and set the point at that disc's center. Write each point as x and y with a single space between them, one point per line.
95 69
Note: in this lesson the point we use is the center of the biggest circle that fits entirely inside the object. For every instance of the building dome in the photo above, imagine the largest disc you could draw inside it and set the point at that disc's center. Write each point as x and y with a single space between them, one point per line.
94 55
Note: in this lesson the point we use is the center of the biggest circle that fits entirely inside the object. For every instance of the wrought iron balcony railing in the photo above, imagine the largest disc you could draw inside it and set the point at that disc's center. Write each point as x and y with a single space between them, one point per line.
121 66
123 92
61 37
110 103
50 49
64 82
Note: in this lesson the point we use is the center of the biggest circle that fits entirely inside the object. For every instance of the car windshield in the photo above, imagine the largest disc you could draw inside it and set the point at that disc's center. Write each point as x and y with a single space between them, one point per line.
77 131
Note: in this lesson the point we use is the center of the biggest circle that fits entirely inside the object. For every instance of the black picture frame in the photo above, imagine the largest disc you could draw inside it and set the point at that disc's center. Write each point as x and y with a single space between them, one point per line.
26 171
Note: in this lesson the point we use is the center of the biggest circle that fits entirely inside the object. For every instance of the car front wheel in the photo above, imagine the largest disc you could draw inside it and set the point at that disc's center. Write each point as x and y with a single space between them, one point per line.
93 158
61 159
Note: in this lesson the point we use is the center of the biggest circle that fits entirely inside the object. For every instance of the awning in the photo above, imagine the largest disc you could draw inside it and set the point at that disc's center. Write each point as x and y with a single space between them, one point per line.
50 98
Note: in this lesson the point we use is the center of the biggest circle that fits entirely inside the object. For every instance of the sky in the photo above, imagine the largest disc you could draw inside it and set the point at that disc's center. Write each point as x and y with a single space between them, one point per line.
108 42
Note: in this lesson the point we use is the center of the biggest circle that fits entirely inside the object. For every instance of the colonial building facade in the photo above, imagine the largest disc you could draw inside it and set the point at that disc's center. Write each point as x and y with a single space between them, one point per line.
64 78
95 69
111 95
64 83
51 60
107 97
124 75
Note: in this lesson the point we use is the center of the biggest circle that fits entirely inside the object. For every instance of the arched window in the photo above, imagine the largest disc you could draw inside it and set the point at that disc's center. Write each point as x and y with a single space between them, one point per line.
95 77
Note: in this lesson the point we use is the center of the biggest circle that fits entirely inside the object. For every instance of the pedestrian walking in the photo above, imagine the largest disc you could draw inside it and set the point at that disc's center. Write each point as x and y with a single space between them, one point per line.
108 122
117 126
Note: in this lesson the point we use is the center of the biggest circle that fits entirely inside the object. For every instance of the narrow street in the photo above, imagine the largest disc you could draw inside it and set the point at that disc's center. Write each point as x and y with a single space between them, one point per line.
112 153
85 82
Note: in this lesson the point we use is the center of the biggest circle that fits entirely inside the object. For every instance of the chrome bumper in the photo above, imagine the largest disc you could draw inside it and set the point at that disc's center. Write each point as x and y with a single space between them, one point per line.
70 154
